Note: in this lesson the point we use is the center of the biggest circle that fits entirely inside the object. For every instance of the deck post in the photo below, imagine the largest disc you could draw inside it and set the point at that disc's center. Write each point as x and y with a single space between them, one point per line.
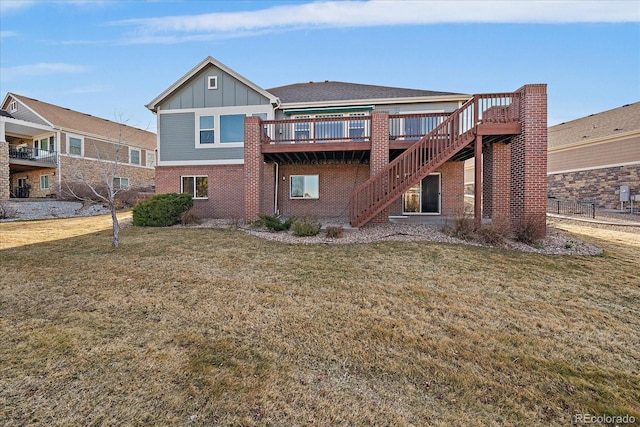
477 182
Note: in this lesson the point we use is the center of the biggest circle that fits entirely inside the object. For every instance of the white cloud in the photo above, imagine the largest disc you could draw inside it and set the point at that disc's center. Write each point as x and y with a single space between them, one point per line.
5 34
10 5
40 69
345 14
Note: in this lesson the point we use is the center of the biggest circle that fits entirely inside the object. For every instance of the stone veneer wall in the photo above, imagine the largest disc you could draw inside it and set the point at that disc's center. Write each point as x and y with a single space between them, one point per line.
33 179
4 170
139 177
595 185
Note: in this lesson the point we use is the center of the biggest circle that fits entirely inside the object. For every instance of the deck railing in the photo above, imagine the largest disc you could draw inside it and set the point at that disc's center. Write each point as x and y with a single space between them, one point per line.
571 208
317 130
431 151
347 129
32 154
414 126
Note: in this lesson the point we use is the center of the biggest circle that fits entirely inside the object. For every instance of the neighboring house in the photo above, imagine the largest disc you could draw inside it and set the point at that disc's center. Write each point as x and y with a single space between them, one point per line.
44 148
347 151
592 157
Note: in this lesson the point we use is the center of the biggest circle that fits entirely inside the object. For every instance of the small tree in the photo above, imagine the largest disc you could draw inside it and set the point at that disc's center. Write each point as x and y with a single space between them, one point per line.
100 184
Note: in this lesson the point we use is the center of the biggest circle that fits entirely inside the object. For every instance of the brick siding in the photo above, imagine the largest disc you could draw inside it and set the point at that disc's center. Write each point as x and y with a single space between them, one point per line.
337 182
225 198
529 160
496 183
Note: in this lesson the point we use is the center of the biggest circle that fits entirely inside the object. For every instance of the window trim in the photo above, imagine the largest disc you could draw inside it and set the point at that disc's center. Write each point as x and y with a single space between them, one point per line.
13 106
48 182
131 150
292 197
150 155
120 178
195 177
81 138
199 129
217 112
212 82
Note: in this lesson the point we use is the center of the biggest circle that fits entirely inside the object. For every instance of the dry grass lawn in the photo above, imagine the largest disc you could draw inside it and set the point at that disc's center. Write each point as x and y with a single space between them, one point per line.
214 327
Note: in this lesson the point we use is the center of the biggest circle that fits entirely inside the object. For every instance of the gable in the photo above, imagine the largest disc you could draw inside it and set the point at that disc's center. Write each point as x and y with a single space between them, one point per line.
228 92
23 112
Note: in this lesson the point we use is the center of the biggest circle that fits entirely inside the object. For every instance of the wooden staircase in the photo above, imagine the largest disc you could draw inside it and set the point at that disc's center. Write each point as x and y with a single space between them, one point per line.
455 133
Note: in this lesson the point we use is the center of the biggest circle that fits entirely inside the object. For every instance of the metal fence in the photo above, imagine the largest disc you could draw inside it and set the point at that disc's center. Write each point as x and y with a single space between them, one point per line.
571 208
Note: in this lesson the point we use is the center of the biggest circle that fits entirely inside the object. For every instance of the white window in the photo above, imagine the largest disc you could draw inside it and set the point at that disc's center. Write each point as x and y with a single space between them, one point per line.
44 182
304 187
212 82
75 145
151 159
232 128
207 130
134 156
119 182
197 186
13 106
43 146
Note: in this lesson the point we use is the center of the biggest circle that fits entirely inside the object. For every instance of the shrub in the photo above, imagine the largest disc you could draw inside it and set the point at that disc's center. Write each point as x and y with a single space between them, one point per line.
304 228
493 235
190 217
273 223
335 232
5 211
162 210
462 227
130 197
529 232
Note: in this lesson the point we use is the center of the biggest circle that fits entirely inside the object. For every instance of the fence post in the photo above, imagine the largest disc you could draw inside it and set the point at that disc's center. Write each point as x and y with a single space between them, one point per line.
558 207
593 210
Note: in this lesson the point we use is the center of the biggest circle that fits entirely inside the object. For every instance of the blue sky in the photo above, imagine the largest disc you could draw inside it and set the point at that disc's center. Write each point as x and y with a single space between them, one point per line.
110 58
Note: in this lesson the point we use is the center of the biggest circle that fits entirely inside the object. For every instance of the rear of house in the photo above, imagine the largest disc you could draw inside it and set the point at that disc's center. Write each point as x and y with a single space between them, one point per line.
336 150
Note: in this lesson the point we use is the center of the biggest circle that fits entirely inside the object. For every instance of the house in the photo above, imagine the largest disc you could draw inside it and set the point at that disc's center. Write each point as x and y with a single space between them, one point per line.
592 157
343 150
44 148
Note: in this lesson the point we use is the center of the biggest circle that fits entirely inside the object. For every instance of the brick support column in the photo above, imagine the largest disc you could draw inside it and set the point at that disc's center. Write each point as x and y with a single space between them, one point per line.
496 185
379 152
253 168
529 160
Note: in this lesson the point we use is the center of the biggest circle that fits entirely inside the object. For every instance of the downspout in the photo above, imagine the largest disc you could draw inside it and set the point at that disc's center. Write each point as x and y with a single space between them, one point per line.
59 166
275 192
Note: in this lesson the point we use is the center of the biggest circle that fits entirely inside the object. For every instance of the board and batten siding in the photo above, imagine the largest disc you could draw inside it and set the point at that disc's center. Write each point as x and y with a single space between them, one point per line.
24 113
230 93
177 141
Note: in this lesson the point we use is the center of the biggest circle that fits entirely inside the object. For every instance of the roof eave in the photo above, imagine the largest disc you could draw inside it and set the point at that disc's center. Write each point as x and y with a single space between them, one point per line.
379 101
153 105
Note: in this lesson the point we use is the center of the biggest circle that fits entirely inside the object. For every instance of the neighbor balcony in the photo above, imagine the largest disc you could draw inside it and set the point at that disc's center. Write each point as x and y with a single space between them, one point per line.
24 158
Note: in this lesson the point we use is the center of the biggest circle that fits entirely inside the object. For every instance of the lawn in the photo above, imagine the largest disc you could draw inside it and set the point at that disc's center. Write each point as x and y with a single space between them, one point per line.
215 327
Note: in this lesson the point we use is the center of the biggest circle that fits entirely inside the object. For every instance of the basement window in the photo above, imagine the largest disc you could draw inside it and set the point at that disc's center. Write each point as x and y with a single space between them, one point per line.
197 186
304 187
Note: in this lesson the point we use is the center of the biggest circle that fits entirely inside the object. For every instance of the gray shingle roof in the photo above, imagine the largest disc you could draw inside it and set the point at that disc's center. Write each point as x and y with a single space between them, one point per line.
607 123
340 91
